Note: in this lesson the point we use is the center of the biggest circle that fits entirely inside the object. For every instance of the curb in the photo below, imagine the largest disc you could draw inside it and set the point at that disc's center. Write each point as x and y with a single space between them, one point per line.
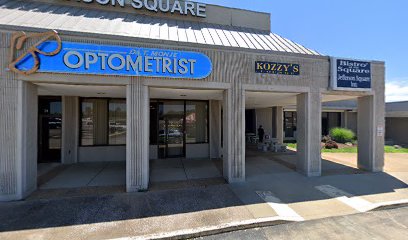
218 229
247 224
390 205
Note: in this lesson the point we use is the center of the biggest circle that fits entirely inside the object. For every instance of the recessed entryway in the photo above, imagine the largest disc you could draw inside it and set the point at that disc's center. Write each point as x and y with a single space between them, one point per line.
49 129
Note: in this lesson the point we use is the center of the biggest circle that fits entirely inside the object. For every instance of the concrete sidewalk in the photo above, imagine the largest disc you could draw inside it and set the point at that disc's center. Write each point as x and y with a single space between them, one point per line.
111 174
196 211
394 162
273 194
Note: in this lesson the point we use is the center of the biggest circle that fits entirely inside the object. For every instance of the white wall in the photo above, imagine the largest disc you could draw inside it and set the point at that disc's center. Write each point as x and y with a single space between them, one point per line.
70 129
394 130
351 121
102 154
264 118
197 150
215 129
153 152
18 137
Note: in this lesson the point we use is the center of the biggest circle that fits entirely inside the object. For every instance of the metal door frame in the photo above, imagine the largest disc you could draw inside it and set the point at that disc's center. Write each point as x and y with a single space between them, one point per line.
40 152
166 155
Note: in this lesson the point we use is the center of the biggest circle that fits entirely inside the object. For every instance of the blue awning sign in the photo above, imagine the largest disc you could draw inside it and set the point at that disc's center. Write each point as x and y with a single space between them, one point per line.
81 58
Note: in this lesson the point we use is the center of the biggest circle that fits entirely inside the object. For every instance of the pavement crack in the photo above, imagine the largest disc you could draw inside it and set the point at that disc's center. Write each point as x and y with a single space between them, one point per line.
395 221
96 175
184 168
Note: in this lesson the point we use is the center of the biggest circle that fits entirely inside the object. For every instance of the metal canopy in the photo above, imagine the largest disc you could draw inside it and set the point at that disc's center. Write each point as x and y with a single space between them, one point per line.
76 19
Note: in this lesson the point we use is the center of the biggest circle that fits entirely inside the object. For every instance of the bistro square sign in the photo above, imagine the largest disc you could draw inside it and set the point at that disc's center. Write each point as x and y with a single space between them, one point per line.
277 68
54 56
350 74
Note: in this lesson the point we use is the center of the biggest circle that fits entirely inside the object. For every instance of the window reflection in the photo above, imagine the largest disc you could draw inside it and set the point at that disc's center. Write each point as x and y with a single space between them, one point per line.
55 125
117 122
87 122
196 122
103 122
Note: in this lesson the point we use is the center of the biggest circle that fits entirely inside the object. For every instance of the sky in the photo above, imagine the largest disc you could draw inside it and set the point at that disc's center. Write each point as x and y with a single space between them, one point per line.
359 29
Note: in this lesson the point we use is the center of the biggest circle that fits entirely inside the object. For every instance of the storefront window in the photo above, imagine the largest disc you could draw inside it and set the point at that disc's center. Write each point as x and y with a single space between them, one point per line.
117 122
103 122
196 122
87 120
173 118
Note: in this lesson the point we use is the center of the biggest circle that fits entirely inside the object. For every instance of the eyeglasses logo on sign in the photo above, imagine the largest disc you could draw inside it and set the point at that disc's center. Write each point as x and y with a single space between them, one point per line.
17 43
79 58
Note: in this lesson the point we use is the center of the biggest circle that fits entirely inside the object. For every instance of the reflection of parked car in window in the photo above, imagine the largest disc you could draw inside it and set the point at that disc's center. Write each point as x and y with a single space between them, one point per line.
116 127
173 136
54 123
175 133
161 133
171 133
87 121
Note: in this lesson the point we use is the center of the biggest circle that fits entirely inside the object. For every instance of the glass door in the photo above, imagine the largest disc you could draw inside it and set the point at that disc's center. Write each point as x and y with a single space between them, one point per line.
171 129
290 124
49 129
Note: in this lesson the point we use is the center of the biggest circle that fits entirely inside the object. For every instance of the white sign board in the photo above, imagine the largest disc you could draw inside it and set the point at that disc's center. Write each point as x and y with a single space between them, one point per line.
380 131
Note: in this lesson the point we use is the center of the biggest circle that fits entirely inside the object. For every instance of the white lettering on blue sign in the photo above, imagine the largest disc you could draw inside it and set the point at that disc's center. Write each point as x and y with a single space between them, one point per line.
78 58
350 74
117 62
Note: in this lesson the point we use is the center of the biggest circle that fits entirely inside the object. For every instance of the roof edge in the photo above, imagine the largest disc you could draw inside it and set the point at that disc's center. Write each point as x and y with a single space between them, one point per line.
160 41
216 14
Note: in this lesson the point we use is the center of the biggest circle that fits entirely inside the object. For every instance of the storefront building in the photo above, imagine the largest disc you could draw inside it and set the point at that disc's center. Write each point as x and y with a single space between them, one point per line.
88 81
396 118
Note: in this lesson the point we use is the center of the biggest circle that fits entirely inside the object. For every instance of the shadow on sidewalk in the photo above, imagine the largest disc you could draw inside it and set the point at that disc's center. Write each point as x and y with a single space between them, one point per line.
265 172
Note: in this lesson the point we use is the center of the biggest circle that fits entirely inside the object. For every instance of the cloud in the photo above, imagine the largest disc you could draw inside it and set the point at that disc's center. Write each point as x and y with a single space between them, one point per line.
396 90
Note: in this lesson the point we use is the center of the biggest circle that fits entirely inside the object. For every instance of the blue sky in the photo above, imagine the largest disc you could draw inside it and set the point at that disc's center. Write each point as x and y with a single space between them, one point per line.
362 29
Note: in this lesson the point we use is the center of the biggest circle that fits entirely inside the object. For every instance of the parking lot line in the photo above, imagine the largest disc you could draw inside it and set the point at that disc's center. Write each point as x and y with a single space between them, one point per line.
282 209
357 203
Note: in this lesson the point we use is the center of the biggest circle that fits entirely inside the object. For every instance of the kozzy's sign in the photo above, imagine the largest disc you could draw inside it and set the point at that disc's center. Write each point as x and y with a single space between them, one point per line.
350 74
181 7
79 58
277 68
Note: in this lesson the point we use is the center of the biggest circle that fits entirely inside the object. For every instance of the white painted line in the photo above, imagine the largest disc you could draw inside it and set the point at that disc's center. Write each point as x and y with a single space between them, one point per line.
282 209
357 203
195 232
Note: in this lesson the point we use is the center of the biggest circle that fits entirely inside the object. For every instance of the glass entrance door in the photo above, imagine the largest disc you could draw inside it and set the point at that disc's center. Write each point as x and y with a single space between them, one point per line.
171 129
290 124
49 129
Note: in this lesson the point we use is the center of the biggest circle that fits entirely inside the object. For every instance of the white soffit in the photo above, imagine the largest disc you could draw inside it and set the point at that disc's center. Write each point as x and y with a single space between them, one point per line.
268 99
332 98
274 99
46 89
193 94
